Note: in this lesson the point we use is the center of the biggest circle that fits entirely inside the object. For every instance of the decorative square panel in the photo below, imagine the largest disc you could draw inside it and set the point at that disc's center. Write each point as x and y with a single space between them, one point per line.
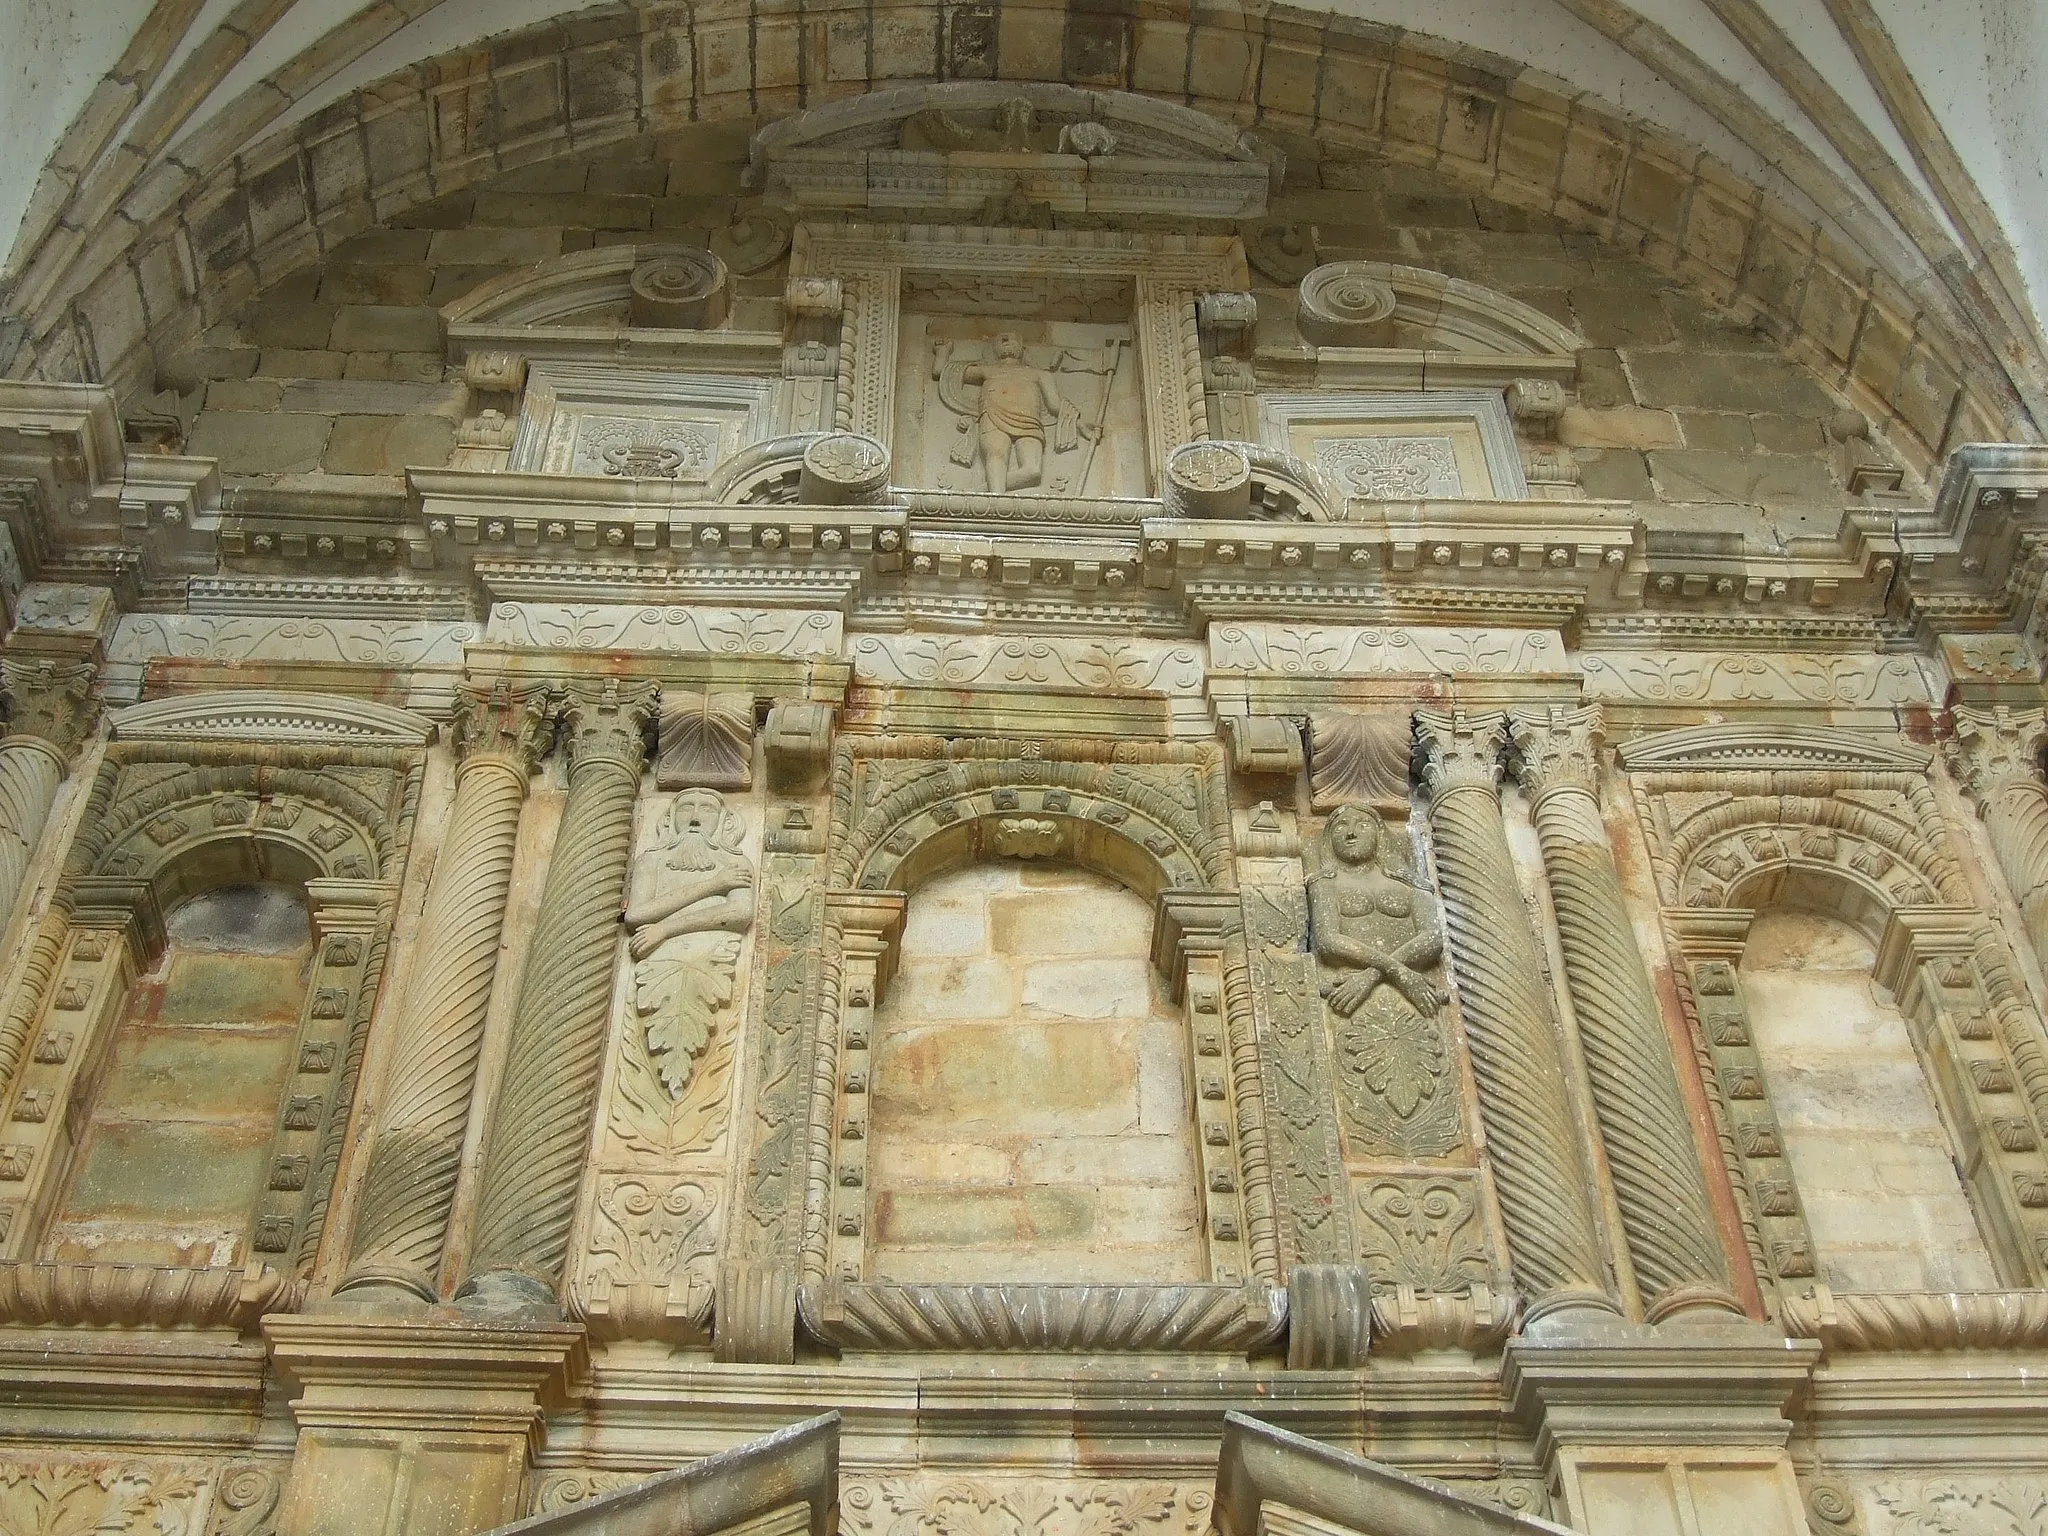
1429 445
637 423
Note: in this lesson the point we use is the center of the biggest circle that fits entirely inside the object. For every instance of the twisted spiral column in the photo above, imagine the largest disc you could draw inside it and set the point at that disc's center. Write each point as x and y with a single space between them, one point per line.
401 1222
1996 756
50 712
533 1155
31 769
1655 1162
1517 1057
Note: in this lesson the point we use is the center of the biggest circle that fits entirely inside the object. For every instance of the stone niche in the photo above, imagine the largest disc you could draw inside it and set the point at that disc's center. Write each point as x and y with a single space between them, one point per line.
1021 361
1030 1112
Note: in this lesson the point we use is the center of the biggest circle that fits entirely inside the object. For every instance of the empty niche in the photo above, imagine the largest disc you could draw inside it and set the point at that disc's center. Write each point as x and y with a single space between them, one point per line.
1031 1116
1873 1160
173 1152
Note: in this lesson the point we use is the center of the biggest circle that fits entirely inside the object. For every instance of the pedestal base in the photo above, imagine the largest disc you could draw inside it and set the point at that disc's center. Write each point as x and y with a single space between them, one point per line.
424 1428
1665 1431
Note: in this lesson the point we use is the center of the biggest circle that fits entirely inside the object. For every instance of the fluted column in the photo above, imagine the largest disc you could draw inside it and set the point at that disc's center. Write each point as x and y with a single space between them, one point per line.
1651 1151
1517 1056
533 1155
402 1219
1996 756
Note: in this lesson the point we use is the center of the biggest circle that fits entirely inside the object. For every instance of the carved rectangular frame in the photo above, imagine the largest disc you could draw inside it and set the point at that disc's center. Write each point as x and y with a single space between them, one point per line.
1153 815
1169 272
1981 1047
105 926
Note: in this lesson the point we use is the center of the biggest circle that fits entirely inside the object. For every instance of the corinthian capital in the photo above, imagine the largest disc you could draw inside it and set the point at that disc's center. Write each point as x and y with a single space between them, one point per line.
50 697
1557 748
503 720
1992 748
1461 750
607 719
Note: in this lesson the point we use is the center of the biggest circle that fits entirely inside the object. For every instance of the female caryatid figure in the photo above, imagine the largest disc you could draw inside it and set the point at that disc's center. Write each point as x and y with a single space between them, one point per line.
1376 936
688 902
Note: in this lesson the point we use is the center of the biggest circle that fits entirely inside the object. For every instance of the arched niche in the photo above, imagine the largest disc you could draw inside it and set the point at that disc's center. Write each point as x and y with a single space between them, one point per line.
1844 832
198 795
1149 819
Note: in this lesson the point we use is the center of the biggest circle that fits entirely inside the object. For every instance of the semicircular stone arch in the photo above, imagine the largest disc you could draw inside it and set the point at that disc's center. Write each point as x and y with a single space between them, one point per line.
193 248
1151 827
1820 851
196 827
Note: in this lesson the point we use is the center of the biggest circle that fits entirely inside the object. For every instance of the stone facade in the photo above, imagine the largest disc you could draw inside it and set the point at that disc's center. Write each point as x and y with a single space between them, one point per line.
991 808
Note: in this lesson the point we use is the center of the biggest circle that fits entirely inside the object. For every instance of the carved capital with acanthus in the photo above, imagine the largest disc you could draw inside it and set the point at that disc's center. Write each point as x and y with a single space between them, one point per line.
1994 748
503 720
606 719
1557 748
50 697
1460 750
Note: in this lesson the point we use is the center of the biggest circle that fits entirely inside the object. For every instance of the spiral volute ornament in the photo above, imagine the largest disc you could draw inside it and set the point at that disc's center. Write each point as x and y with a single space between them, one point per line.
1348 304
679 288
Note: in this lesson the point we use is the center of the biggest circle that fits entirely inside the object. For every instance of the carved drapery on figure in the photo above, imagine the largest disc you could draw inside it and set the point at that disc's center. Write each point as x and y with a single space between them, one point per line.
533 1157
1517 1054
402 1219
1644 1126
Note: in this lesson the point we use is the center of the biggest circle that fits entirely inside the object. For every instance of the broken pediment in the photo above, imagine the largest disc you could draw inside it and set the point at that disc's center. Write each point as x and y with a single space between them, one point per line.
975 144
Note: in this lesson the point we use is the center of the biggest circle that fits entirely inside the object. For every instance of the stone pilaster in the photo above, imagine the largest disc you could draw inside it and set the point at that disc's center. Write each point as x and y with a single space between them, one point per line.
533 1155
1517 1054
1651 1150
1996 756
402 1220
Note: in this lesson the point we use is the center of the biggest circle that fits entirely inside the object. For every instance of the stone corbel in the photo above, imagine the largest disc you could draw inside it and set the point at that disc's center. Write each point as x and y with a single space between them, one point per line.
495 381
1536 405
1263 743
798 742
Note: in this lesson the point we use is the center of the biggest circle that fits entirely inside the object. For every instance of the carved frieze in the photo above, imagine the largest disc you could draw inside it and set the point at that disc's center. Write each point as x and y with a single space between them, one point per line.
1305 650
113 1496
1753 679
625 627
1964 1506
1012 1506
1119 664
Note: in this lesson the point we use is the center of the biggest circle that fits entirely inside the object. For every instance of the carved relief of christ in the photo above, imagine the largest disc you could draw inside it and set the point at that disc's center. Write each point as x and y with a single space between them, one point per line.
1007 405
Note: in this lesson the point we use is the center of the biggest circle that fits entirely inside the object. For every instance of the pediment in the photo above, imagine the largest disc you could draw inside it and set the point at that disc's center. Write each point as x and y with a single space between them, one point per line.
1384 304
1773 748
653 284
976 144
271 715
